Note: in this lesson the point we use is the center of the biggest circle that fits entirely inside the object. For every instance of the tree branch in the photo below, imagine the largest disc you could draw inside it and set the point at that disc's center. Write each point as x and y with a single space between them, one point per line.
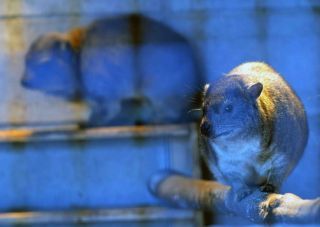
185 192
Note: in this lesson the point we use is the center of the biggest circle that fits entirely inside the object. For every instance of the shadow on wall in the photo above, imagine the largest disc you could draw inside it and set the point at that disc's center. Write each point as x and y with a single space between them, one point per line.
129 69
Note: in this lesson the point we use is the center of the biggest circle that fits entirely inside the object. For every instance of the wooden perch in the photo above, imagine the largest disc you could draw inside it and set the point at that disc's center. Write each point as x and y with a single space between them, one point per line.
185 192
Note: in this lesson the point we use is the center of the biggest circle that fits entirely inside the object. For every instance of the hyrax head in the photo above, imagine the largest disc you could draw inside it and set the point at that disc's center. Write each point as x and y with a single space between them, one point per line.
51 66
230 108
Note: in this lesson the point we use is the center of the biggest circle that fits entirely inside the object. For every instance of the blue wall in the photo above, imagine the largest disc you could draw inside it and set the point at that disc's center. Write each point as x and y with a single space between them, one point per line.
285 34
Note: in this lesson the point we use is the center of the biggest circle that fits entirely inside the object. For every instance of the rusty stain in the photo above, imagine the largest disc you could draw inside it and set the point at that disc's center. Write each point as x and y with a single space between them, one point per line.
14 27
15 134
15 44
76 36
14 34
12 135
19 213
16 138
83 136
16 109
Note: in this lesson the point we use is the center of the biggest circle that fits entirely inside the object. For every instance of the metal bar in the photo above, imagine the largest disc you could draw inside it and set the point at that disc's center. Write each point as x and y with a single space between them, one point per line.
54 134
102 215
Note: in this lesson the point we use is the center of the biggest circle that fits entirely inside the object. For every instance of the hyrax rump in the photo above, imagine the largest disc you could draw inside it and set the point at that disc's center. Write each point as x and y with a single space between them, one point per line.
129 69
254 128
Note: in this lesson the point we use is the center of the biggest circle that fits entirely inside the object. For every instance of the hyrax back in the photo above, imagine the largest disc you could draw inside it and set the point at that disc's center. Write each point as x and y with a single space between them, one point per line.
138 59
255 127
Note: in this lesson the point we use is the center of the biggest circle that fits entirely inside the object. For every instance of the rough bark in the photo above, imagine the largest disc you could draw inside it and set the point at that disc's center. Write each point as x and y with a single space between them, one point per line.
184 192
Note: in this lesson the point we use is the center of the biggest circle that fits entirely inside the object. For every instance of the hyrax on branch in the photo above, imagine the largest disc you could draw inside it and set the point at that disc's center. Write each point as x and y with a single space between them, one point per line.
254 128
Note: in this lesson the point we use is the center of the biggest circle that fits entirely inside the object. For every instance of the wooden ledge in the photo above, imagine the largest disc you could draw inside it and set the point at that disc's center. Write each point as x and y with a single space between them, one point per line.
100 215
74 133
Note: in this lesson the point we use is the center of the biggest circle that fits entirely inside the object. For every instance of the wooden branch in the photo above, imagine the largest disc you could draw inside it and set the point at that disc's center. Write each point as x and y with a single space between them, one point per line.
184 192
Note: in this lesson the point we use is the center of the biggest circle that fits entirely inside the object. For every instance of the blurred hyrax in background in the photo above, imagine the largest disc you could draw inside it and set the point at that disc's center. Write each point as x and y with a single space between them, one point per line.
129 69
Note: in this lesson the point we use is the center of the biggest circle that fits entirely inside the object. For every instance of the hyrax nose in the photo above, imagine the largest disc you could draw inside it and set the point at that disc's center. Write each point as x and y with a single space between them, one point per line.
206 128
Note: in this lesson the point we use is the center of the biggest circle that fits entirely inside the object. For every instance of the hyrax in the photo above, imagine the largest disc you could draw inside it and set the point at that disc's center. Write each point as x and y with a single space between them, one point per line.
129 69
254 128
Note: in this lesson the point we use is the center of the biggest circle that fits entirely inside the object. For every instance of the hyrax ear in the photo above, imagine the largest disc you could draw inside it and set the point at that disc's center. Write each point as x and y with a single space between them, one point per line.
255 90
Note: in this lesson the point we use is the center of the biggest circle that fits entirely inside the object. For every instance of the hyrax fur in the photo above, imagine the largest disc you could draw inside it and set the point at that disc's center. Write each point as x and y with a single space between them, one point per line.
254 128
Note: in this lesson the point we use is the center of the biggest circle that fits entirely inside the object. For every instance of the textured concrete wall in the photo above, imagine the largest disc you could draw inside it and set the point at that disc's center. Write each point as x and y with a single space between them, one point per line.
285 34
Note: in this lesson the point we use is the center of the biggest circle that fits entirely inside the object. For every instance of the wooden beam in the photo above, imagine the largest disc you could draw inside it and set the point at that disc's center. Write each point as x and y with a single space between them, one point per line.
74 133
101 215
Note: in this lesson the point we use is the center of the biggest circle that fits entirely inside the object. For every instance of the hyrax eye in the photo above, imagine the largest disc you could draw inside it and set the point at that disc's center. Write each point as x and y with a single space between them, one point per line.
228 108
